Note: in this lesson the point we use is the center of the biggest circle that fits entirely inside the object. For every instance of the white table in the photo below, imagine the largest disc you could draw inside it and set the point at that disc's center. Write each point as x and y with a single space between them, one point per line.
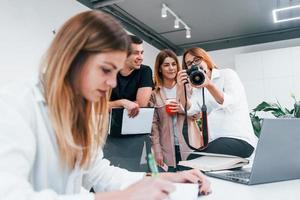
226 190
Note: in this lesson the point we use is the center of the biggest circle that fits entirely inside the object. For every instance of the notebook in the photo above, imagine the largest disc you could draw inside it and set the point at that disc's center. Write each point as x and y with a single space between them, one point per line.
121 124
276 157
213 162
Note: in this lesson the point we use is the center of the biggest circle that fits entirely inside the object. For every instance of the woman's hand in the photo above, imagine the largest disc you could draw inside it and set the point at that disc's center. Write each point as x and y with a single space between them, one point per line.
182 78
159 159
146 189
174 106
189 176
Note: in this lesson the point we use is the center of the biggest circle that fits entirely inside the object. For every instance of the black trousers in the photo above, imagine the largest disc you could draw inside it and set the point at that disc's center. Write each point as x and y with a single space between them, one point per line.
230 146
177 157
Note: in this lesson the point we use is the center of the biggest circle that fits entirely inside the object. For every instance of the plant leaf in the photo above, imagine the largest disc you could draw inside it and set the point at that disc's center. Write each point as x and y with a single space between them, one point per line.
261 106
278 113
256 124
288 111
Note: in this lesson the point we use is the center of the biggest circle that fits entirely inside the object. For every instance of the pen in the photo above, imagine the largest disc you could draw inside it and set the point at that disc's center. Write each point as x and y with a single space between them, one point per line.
152 165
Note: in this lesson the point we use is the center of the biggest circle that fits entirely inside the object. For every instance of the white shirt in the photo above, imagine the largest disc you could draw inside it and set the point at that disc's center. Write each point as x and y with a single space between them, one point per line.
171 94
30 166
231 119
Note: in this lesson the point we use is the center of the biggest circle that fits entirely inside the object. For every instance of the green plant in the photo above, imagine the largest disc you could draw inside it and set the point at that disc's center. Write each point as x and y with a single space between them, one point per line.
199 123
275 109
296 106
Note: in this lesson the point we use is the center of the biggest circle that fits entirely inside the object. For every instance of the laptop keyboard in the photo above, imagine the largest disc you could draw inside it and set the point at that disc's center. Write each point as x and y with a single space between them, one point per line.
241 175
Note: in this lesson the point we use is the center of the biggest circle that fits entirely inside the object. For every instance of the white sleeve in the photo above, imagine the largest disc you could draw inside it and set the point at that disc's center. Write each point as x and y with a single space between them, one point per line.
104 177
17 154
233 88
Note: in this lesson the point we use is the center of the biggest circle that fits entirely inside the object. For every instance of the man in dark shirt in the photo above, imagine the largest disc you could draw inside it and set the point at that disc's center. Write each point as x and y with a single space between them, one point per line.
134 81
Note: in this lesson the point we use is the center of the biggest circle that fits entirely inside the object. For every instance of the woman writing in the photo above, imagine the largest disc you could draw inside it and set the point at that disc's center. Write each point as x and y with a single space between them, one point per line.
229 125
52 131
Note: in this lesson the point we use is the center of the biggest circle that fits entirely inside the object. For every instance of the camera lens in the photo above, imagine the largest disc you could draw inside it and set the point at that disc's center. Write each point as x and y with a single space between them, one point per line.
197 78
196 75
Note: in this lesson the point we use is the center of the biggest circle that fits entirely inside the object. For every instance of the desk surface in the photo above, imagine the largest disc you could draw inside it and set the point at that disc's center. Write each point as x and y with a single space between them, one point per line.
223 190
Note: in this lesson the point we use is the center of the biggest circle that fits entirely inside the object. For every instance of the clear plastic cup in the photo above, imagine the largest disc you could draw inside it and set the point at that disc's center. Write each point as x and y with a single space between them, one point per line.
168 106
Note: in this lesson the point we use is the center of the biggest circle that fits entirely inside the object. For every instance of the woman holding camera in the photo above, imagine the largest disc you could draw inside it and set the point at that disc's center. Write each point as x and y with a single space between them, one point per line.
229 125
167 140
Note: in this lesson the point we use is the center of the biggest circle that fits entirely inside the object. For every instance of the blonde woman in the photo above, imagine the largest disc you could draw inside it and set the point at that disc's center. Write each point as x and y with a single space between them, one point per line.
229 124
52 131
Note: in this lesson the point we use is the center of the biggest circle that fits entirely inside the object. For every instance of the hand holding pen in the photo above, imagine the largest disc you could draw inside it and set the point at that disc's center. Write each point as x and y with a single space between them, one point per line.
188 176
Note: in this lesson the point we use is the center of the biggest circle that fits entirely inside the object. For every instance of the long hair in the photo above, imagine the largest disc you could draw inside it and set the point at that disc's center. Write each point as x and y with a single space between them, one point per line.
80 125
200 53
161 56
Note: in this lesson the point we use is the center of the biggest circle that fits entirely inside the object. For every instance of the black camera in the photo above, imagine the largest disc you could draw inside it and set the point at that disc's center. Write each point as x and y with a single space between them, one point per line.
196 75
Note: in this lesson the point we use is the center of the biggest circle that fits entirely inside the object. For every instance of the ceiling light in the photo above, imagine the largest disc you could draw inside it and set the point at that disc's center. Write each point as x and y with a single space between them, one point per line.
177 21
281 10
164 11
188 33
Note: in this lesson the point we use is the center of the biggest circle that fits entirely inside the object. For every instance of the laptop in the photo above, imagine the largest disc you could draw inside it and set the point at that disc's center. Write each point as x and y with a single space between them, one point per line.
276 157
128 141
120 124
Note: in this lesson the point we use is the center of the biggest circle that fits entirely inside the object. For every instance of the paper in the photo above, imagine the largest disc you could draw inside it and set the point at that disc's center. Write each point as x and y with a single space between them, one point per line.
185 191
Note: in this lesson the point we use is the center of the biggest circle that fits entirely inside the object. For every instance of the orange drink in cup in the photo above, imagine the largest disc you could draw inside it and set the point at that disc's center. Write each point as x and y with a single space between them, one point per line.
169 106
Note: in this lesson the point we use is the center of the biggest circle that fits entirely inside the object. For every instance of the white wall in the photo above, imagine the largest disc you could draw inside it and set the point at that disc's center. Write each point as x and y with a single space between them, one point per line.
225 58
26 32
270 75
150 55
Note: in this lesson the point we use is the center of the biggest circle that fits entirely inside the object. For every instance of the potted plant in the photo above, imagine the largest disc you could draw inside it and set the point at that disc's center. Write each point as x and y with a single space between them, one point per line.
275 109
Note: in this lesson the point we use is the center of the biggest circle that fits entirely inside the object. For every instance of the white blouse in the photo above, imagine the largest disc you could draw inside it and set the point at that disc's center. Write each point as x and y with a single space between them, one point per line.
30 166
231 119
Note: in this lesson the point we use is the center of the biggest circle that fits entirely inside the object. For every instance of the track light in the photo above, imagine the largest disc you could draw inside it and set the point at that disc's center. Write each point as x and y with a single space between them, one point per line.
177 21
164 11
188 33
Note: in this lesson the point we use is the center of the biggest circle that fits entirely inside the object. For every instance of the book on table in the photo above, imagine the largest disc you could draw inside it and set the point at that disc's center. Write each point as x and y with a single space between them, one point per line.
214 162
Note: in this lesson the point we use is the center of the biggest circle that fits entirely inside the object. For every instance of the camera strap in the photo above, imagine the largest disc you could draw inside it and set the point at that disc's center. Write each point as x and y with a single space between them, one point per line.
204 125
